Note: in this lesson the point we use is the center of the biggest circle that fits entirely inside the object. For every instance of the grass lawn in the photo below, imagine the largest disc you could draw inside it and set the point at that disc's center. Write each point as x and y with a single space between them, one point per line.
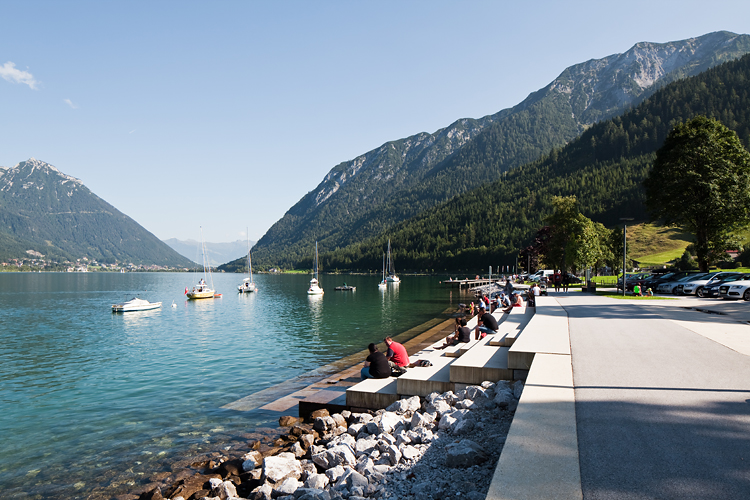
616 295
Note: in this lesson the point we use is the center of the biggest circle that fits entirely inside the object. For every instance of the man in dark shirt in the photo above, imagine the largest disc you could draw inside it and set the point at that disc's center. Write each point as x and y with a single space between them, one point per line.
462 334
376 366
486 323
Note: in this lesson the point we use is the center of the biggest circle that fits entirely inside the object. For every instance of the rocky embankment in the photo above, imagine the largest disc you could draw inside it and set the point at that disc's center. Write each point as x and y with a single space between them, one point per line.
421 448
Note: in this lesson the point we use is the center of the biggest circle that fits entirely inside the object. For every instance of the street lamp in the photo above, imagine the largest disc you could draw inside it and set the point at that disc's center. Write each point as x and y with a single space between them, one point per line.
624 253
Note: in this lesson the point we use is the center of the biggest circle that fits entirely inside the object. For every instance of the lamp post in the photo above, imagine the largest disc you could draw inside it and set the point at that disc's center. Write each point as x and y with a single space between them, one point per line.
624 253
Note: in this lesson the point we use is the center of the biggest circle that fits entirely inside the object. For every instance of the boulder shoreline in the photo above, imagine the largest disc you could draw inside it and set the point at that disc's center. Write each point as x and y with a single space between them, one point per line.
418 448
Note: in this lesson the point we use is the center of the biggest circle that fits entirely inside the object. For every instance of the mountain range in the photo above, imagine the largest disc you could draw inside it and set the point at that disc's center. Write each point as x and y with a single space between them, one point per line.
366 196
218 253
46 212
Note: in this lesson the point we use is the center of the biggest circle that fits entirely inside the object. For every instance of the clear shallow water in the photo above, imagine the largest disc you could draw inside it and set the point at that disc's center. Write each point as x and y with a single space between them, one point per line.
92 400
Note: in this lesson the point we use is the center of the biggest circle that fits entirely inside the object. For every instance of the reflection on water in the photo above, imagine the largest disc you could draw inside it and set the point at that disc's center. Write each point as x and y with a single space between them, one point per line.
104 400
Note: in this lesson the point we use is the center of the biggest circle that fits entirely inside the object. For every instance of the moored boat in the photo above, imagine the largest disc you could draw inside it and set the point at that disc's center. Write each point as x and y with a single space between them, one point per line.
314 288
135 304
391 270
202 290
248 285
346 288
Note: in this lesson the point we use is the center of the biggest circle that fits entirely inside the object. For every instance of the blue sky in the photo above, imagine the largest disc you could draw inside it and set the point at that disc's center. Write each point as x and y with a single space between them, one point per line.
224 114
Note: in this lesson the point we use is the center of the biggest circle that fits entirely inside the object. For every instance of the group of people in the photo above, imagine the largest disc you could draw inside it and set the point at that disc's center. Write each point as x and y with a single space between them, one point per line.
379 365
561 280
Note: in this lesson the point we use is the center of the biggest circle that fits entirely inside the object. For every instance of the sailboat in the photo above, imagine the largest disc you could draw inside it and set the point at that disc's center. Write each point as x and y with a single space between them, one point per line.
383 283
314 286
391 277
202 290
248 285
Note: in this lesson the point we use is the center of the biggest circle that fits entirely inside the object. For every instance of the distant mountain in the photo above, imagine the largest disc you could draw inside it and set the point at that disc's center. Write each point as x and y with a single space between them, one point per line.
218 253
604 168
363 197
43 210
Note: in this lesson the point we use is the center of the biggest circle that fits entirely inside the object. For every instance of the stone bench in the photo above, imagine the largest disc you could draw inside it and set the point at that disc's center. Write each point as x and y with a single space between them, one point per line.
513 325
372 393
424 380
545 332
481 362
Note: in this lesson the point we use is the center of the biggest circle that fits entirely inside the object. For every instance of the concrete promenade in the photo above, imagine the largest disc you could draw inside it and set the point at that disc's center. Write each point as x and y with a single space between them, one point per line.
662 397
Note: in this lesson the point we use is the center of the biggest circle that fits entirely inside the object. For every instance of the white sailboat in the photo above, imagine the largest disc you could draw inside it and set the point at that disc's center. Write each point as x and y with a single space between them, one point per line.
248 285
391 277
202 290
383 283
314 285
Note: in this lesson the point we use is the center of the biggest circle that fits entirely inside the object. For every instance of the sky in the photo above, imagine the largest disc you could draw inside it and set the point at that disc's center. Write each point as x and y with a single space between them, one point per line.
222 115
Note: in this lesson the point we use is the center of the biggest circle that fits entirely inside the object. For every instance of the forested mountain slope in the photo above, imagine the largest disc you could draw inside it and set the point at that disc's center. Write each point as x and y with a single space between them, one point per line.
604 168
45 211
364 196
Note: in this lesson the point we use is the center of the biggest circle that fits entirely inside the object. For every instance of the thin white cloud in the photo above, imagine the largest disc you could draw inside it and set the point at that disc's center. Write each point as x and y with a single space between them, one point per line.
70 103
132 131
12 74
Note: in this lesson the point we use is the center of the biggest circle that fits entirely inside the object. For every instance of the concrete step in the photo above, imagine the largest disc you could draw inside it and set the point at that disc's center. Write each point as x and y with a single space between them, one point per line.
480 363
424 380
545 332
372 393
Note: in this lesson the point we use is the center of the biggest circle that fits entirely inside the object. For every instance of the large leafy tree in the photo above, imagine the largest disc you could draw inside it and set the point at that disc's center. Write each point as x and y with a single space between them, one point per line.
701 181
575 242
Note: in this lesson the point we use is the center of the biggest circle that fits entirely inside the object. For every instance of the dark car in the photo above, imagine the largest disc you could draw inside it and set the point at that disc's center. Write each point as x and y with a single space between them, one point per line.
655 281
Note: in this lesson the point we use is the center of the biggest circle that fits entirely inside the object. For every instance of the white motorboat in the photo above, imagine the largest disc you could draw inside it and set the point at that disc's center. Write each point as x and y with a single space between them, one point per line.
135 304
314 284
391 270
248 285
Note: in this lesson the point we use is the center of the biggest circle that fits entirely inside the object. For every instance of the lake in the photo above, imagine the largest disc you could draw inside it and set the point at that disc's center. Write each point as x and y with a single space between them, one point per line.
92 402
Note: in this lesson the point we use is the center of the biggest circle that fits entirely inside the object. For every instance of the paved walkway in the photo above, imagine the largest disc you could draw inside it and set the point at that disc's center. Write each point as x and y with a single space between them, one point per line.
662 398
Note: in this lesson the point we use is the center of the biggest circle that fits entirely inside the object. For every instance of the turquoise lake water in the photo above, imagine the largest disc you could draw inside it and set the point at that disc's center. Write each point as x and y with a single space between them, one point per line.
92 402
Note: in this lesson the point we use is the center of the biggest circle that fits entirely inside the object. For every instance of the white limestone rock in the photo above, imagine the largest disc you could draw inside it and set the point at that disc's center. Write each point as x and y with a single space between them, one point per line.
503 398
388 422
317 481
282 466
345 439
475 392
518 389
364 446
361 418
339 420
355 429
251 460
262 492
409 452
287 487
334 473
464 454
297 450
439 406
338 455
324 424
422 420
306 440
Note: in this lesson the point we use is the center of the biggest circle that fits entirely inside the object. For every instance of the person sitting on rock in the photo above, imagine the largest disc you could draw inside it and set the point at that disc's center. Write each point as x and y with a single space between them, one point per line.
486 323
376 366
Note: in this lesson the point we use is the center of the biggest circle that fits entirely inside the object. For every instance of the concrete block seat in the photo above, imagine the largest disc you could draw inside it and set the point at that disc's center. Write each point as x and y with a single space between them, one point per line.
481 362
372 393
513 325
545 332
423 380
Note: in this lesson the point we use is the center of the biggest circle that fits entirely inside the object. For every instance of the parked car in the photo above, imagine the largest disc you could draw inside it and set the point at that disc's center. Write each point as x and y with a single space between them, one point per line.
696 286
711 290
735 290
657 280
633 279
670 286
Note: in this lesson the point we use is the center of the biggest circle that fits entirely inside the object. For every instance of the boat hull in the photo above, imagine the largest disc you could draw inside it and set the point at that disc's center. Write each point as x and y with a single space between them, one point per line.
209 294
127 307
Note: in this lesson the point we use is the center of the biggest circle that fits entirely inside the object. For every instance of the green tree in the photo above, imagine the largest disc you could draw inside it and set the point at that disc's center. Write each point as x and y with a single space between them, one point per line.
576 242
701 181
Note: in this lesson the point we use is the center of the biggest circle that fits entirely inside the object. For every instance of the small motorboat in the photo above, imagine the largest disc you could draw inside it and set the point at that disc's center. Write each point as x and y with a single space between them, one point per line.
346 288
135 304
